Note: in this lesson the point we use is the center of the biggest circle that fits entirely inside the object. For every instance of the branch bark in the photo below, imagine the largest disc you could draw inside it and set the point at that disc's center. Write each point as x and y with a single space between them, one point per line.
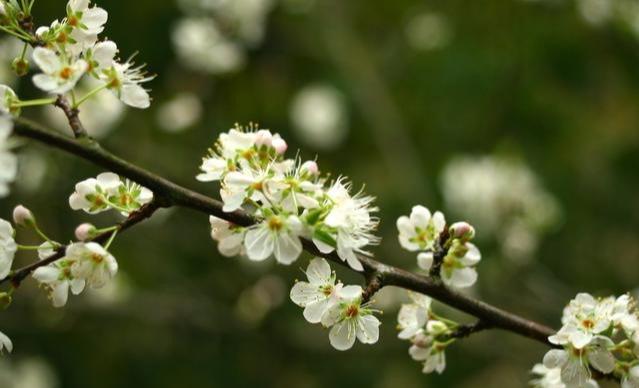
378 275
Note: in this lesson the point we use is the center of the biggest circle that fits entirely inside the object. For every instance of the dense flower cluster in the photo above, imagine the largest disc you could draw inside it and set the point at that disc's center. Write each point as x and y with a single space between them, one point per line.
423 232
335 306
429 334
602 334
107 191
291 198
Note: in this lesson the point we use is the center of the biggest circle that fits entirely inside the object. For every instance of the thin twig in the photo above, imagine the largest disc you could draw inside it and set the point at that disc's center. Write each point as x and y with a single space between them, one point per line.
73 116
134 218
171 194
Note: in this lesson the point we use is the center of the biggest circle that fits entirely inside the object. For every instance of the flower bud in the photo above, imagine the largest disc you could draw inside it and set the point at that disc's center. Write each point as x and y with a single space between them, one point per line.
85 232
20 66
23 216
311 167
462 230
280 145
5 300
263 137
435 327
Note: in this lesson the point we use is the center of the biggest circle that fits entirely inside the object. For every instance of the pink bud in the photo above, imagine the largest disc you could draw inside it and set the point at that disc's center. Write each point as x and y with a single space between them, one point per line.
23 216
263 137
310 166
462 230
84 232
279 144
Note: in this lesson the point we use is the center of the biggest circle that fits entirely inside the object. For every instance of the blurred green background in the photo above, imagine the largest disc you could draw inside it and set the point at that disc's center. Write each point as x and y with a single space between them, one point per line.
519 116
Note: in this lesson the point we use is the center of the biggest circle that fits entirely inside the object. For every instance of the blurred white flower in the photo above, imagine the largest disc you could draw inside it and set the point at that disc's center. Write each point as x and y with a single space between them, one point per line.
428 31
8 247
8 160
595 12
201 45
319 115
179 113
27 373
99 114
502 198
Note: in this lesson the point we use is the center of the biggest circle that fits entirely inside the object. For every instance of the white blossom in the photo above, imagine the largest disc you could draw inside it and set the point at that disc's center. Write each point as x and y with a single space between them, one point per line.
432 353
8 248
320 293
421 230
92 263
230 237
351 217
57 278
551 378
458 266
277 235
631 378
91 20
350 320
574 364
583 319
107 191
60 74
413 316
124 80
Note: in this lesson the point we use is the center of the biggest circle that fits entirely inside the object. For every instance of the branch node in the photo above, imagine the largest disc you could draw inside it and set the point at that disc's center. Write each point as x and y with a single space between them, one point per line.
73 116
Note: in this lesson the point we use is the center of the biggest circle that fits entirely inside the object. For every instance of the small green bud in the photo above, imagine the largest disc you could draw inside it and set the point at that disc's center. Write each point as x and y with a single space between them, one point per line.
5 300
20 66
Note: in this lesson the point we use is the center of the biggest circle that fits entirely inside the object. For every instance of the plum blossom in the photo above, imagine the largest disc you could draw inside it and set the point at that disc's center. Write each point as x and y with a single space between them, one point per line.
124 80
421 230
59 75
574 364
92 263
458 266
551 378
413 316
230 237
57 279
583 319
91 20
8 248
350 219
277 235
427 349
107 191
320 293
350 320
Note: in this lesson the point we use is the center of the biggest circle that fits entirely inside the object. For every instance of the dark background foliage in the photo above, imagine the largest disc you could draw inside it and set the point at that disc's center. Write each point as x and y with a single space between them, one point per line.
531 79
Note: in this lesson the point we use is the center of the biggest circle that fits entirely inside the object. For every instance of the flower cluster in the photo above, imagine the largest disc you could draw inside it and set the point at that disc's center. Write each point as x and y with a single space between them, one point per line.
551 378
429 334
291 198
71 48
84 264
602 334
335 306
426 233
107 191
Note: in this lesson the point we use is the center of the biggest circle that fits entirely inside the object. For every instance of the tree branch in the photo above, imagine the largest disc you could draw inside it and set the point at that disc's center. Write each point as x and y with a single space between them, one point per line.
168 193
134 218
73 116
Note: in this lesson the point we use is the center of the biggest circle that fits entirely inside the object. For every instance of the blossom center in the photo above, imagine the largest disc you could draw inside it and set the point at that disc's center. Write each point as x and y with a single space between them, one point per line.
352 311
275 224
66 73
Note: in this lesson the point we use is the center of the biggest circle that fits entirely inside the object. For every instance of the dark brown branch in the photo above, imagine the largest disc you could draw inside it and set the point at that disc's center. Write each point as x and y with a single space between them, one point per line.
73 116
142 214
171 194
464 331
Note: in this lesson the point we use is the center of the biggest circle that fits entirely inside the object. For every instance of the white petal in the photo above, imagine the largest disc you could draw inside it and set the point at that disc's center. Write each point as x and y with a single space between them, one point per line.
580 339
77 286
574 373
472 257
319 271
46 274
332 316
368 329
350 292
104 53
439 221
287 248
231 245
425 260
420 217
258 243
135 96
315 311
45 82
47 60
59 294
5 342
555 358
323 247
342 335
303 294
94 18
461 277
